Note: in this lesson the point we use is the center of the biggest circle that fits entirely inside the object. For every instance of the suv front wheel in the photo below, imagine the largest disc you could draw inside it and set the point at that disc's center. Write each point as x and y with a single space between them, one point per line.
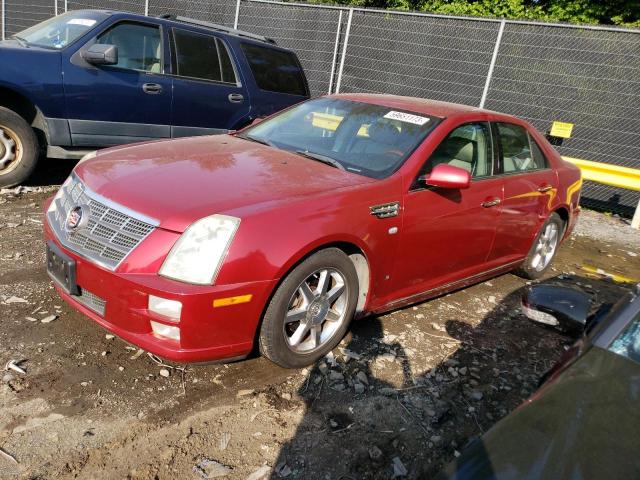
18 148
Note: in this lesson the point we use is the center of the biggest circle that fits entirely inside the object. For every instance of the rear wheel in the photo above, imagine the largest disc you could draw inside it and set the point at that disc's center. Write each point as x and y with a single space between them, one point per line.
311 310
544 248
18 148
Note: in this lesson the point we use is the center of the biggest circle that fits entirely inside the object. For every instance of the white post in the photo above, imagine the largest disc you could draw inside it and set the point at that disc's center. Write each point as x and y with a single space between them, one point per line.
65 6
635 223
146 8
2 19
492 64
235 21
335 53
55 7
344 50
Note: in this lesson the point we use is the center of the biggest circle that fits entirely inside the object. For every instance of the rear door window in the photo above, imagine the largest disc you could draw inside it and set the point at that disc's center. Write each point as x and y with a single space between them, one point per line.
275 70
202 57
519 153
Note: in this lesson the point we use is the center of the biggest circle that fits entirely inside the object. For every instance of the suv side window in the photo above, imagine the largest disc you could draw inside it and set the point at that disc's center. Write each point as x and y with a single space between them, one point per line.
202 56
467 146
518 152
275 70
139 46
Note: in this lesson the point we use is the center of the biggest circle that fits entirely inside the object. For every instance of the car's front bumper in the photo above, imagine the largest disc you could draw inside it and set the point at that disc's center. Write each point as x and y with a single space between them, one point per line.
209 330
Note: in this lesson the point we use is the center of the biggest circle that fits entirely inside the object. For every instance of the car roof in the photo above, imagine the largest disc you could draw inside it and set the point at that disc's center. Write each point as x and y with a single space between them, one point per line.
194 24
425 106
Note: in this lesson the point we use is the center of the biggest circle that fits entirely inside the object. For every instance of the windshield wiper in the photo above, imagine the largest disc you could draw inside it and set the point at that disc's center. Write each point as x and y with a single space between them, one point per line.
321 158
20 40
257 140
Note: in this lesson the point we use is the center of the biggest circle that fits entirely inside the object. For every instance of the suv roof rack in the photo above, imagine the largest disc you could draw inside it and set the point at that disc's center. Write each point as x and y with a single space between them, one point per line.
220 28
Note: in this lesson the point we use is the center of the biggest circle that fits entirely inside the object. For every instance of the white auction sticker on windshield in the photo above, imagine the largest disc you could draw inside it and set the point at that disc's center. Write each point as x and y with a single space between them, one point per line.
85 22
406 117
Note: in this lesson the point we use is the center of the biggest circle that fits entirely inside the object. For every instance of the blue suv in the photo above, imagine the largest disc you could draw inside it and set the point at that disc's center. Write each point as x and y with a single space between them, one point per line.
91 78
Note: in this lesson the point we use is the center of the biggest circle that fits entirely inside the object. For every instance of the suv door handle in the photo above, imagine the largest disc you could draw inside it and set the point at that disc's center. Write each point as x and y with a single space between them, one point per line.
491 203
545 188
236 98
152 88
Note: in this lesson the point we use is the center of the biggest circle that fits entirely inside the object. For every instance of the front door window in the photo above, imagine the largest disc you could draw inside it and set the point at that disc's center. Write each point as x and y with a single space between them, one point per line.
139 46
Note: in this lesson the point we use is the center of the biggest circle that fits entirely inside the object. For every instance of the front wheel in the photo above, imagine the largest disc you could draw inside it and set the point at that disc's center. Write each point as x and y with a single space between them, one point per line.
311 310
18 148
543 249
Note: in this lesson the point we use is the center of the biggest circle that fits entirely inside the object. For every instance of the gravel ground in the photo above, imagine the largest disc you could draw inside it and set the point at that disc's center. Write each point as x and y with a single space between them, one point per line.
401 395
607 228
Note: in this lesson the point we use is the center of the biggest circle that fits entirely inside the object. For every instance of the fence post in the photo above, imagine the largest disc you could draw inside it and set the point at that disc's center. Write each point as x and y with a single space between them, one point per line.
335 53
237 17
492 64
635 223
55 8
344 50
146 8
2 18
65 6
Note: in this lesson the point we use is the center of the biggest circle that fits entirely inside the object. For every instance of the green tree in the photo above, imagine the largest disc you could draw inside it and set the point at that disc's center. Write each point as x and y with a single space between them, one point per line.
618 12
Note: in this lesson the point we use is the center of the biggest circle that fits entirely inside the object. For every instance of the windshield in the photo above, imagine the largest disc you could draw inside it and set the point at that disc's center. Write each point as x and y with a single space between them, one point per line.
362 138
628 343
60 31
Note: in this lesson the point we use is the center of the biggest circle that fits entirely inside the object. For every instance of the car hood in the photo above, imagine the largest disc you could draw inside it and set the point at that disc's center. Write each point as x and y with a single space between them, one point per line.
180 181
584 424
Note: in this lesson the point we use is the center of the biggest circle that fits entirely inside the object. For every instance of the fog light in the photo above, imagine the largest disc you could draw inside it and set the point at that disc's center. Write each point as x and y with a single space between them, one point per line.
538 316
166 331
165 307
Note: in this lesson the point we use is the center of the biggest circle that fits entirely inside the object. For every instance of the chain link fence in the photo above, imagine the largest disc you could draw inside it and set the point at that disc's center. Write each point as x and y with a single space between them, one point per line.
585 75
418 56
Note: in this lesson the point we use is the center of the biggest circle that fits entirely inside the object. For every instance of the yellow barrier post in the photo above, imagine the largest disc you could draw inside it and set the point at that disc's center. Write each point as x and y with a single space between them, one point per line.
614 175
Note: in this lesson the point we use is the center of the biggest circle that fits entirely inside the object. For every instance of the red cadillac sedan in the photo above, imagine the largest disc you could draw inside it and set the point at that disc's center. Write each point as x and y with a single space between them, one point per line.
277 236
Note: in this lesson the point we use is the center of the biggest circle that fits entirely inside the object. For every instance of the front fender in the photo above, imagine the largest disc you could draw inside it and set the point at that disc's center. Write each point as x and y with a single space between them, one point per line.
35 75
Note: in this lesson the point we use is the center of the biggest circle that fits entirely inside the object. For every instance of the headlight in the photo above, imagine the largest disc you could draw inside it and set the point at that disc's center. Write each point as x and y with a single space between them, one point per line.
88 156
199 252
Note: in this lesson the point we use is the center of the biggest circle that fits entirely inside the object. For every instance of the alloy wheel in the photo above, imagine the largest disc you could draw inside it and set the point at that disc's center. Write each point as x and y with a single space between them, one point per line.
316 311
545 248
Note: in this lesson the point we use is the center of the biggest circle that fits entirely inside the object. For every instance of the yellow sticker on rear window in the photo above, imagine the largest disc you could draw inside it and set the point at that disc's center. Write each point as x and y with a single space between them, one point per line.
561 129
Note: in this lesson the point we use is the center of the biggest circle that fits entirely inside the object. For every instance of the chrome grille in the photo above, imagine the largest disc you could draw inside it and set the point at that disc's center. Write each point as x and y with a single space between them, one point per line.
110 234
92 301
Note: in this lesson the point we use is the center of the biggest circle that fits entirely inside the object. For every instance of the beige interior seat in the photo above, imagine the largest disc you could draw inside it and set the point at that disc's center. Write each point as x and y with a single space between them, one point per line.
457 152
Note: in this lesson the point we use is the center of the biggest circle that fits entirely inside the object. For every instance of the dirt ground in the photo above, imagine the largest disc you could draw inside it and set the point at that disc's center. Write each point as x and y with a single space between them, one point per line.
403 393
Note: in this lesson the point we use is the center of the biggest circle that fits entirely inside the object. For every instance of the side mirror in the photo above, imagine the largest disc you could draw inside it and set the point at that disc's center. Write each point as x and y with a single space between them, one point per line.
448 176
562 307
99 54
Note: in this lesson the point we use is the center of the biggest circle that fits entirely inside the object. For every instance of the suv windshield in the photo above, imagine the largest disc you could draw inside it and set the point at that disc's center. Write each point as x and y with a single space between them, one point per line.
367 139
60 31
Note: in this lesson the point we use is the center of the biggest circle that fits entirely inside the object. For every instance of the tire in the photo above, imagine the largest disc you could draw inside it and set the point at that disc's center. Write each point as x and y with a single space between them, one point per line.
19 148
543 250
289 332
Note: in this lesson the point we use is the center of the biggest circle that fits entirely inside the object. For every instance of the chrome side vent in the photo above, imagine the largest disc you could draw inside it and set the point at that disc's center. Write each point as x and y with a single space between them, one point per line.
386 210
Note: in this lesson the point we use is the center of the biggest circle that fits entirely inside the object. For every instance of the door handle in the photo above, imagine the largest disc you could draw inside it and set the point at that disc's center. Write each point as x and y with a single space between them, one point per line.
491 203
545 188
152 88
236 98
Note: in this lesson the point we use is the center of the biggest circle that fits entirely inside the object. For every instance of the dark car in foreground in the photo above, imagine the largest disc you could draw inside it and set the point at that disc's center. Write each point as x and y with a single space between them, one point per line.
202 248
584 422
97 78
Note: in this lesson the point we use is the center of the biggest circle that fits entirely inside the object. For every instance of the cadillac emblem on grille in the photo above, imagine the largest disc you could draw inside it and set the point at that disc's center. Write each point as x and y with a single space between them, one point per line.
77 218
